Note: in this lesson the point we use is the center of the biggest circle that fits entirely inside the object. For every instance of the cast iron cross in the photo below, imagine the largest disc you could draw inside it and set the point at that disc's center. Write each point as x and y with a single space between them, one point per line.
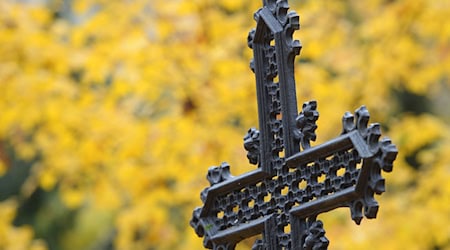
294 181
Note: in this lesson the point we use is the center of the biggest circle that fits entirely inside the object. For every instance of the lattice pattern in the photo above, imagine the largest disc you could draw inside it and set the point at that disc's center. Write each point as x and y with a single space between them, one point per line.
290 187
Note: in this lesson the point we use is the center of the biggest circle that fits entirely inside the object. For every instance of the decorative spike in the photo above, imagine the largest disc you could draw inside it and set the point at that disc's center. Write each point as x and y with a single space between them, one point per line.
362 119
315 237
371 209
306 124
356 208
218 174
251 144
373 135
389 154
250 38
281 11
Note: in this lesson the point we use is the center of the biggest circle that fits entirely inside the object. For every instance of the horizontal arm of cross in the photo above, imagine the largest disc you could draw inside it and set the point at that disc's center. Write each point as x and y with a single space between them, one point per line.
341 143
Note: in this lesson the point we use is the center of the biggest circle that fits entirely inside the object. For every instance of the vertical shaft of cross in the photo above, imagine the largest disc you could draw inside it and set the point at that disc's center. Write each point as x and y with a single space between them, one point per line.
288 98
274 53
262 99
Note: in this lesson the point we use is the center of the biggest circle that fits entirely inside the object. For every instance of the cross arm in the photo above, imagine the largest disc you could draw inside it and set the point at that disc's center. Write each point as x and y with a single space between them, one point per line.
355 185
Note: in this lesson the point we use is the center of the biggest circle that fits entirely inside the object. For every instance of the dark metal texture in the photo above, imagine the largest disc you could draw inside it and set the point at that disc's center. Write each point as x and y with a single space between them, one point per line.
294 181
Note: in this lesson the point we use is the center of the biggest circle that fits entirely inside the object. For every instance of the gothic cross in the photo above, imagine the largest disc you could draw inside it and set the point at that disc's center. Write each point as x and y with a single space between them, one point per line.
294 181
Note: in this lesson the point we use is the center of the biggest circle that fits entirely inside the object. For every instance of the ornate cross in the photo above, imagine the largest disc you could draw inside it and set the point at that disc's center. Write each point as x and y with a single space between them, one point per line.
294 182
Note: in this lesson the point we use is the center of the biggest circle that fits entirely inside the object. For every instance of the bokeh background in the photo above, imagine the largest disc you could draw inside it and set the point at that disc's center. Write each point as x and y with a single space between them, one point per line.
111 113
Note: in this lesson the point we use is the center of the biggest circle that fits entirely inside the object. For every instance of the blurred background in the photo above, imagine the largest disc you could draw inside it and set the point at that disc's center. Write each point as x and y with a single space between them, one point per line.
111 113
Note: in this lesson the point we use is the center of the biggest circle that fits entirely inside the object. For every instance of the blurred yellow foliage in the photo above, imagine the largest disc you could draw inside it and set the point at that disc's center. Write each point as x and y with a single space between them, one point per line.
121 106
16 237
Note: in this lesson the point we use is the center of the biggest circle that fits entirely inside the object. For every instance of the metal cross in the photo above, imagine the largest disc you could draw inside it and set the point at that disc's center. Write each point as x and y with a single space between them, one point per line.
294 182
